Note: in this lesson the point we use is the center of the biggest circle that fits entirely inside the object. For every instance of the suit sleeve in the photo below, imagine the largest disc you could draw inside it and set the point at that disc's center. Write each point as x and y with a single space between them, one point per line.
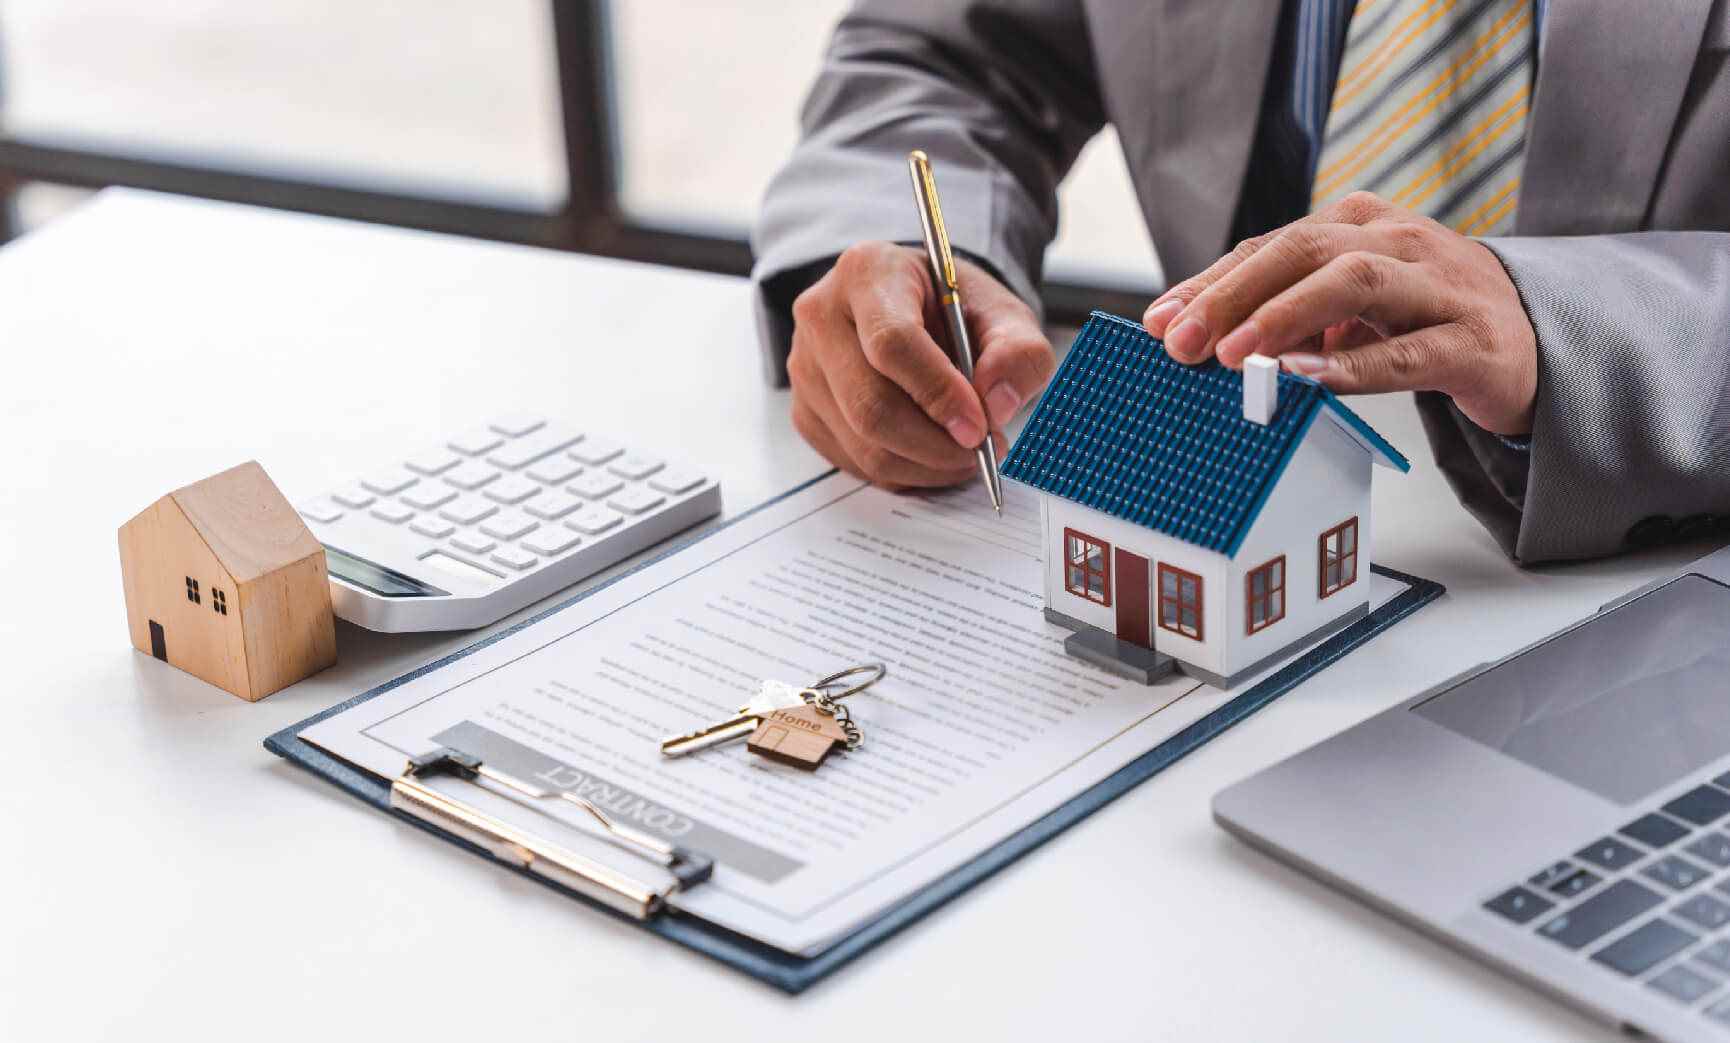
1631 436
1002 94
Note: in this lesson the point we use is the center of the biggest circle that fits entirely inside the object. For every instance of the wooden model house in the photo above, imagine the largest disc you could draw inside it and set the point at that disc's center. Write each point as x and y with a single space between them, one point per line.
224 581
1195 518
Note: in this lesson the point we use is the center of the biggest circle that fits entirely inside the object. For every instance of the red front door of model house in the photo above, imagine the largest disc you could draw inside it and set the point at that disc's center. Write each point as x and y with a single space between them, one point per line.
1134 618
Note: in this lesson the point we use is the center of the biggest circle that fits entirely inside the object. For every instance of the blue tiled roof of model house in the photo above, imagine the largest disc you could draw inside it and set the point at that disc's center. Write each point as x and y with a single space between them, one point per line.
1126 430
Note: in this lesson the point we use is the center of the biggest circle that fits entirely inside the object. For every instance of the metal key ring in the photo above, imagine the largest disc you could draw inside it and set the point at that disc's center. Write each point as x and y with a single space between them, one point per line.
877 671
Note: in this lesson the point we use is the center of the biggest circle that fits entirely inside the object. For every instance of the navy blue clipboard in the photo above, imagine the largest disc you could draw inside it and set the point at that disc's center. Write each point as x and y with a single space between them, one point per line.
792 973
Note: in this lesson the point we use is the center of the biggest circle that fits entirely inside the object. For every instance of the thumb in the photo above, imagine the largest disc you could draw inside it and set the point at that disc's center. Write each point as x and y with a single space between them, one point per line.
1012 359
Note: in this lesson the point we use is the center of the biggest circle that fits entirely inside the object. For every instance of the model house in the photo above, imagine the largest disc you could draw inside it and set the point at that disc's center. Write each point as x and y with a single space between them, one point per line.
1195 518
223 580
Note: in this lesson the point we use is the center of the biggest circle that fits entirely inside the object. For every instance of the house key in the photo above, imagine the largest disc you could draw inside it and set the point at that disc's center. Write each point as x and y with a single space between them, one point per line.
772 696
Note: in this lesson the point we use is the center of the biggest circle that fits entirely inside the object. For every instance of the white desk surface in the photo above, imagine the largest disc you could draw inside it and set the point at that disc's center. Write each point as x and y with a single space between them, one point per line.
164 877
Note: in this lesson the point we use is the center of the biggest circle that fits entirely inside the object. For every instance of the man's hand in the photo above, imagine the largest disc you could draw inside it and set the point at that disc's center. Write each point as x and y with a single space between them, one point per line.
1365 296
874 391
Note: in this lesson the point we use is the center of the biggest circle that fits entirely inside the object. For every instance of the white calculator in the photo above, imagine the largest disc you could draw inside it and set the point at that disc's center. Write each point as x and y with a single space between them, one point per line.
464 533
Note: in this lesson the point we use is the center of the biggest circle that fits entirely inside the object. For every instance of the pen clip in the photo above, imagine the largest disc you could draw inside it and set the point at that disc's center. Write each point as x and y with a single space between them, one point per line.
931 214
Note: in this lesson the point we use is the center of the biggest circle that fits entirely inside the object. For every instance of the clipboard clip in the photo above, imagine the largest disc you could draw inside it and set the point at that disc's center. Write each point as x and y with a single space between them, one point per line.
411 795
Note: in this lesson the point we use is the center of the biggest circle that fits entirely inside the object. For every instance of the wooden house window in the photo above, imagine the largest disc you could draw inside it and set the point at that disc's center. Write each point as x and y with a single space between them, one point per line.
192 590
1264 595
1179 601
1087 567
219 600
1339 557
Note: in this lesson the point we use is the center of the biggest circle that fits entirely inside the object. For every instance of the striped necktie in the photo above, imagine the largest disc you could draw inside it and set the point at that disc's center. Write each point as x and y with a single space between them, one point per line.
1429 110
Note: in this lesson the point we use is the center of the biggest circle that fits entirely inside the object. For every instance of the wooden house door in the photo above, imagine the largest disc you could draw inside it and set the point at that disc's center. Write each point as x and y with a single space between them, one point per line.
1134 617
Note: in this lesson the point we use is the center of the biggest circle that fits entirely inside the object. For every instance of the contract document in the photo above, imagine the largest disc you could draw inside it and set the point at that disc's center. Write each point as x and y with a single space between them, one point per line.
982 724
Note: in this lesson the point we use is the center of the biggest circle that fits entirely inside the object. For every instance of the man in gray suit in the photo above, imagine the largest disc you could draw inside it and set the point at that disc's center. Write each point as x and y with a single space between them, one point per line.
1542 255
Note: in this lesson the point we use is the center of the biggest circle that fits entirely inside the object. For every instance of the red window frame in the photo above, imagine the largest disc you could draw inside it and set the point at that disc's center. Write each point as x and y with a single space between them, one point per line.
1341 559
1078 569
1270 599
1176 598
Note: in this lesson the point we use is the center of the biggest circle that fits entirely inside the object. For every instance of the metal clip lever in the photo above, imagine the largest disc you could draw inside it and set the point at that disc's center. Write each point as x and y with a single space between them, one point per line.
580 873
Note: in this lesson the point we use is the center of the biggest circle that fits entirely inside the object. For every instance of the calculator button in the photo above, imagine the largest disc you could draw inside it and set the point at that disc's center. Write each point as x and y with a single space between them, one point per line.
434 527
593 520
515 558
636 501
476 442
433 461
1677 874
320 510
1549 875
471 475
1645 947
516 426
353 496
1518 904
1600 914
595 485
466 510
553 505
635 467
427 497
1683 983
1654 830
508 525
473 542
513 488
676 480
1575 883
1609 853
596 451
1716 956
1704 910
1712 847
1719 1012
551 541
527 450
394 513
555 470
1701 805
389 482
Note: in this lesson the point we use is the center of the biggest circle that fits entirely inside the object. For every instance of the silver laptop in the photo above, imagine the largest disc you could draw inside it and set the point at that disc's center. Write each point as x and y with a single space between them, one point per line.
1563 813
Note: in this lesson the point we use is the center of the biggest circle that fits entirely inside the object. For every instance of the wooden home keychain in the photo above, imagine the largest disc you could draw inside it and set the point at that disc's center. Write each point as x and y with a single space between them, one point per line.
814 724
804 736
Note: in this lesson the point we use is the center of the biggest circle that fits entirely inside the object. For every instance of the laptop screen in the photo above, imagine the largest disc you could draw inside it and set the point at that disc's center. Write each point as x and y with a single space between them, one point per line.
1633 700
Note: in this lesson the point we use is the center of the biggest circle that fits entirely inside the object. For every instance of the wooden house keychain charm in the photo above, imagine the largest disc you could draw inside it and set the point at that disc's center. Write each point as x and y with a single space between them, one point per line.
804 736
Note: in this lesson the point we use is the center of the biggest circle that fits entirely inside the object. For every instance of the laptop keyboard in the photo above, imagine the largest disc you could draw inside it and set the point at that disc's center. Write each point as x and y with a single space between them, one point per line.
1651 902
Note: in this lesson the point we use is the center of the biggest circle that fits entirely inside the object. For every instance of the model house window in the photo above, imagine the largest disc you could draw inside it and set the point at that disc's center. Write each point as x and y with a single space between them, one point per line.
1087 567
1179 601
1265 595
1339 557
192 590
219 600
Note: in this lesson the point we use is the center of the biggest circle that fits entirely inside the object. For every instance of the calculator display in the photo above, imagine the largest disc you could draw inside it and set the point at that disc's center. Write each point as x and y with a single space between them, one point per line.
386 583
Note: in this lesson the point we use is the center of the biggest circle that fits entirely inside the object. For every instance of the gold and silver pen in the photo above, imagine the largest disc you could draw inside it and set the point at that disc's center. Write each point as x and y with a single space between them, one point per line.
942 261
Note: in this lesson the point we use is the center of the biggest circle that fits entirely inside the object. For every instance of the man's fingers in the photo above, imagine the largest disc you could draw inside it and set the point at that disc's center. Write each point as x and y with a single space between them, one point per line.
1416 361
1358 208
889 316
1290 256
1012 358
872 455
1389 292
820 438
1167 306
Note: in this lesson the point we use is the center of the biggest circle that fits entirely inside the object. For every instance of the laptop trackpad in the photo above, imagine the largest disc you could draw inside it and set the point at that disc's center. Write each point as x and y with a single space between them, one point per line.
1632 701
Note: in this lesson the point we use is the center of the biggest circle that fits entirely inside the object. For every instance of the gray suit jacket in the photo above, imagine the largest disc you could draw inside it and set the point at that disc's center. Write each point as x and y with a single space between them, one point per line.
1621 251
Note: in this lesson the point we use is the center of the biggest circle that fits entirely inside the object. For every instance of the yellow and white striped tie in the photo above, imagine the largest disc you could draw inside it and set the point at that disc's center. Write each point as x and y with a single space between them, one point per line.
1429 110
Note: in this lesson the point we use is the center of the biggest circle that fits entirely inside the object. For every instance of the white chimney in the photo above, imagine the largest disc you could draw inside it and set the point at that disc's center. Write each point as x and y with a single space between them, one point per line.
1260 389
